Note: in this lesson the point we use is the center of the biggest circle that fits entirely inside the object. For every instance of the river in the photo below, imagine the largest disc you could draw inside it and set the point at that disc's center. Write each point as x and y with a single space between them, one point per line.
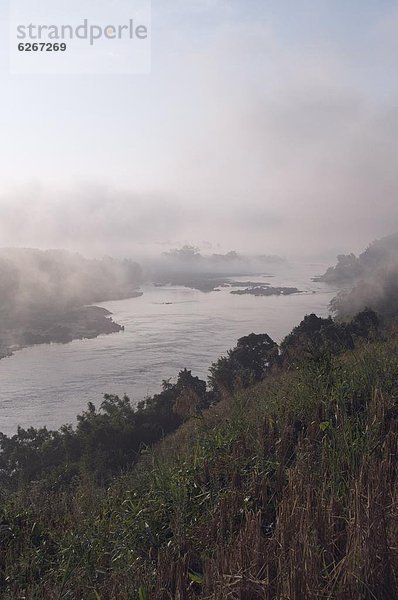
166 329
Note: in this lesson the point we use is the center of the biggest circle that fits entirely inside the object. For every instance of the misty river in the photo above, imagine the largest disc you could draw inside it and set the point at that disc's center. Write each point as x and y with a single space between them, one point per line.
166 329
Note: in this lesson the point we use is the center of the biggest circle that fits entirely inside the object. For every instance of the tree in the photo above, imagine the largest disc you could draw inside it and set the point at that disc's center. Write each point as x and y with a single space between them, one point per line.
244 365
314 337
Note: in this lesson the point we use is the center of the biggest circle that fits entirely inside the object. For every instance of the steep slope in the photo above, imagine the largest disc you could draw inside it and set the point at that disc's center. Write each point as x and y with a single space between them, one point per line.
287 489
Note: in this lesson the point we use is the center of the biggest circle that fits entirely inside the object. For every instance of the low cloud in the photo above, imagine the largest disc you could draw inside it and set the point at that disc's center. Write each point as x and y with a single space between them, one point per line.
255 143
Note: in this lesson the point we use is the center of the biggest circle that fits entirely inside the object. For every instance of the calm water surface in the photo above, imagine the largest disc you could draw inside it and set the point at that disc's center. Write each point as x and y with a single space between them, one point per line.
167 329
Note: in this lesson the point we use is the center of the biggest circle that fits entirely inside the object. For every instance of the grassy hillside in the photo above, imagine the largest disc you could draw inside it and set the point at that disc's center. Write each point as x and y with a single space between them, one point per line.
286 489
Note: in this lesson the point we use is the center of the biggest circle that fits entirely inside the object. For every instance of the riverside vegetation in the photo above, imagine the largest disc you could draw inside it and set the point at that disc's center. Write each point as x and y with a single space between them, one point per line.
277 480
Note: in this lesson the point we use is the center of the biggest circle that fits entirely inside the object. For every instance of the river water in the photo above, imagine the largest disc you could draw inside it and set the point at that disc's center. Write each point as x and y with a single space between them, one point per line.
166 329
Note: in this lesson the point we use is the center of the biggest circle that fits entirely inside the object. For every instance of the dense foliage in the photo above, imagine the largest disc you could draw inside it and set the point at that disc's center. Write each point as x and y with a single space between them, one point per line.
105 441
244 365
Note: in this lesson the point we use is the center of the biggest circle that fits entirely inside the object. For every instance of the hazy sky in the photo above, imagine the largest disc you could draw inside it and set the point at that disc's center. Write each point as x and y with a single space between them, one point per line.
265 126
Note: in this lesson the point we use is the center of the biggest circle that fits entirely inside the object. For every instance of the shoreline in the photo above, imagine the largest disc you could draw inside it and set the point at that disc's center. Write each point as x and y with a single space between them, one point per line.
85 322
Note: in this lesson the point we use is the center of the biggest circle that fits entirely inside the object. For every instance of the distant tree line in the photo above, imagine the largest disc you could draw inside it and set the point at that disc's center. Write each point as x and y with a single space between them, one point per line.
34 281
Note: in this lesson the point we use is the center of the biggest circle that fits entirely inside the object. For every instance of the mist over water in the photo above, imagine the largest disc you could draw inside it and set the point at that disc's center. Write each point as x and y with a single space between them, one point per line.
166 329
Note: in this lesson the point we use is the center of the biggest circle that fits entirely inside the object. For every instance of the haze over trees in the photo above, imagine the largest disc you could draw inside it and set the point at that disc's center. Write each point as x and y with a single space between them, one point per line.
33 280
190 267
190 259
369 280
43 295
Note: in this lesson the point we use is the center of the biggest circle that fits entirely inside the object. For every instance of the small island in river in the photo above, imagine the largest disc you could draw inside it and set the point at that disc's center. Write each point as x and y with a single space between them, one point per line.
267 290
84 322
205 282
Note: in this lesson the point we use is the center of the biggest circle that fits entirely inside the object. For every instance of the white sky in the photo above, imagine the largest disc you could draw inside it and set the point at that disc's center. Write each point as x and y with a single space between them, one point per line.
265 126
